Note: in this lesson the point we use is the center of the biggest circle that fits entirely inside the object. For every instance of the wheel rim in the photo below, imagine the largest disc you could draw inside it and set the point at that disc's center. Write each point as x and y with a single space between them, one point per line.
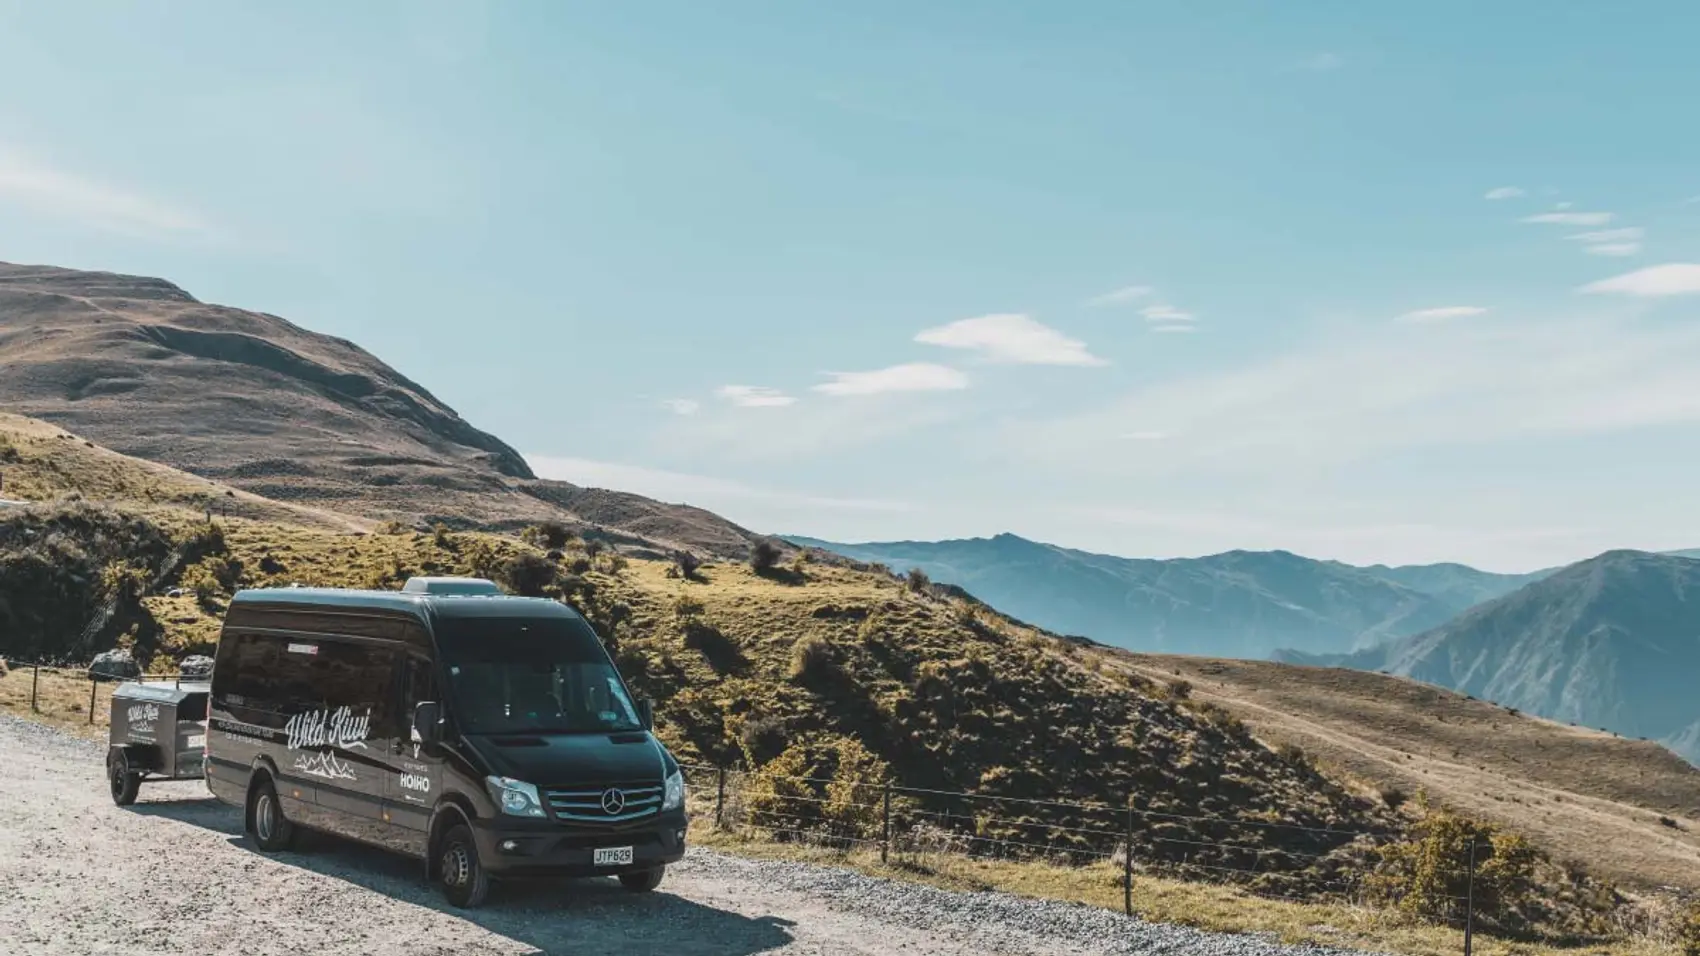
457 866
119 772
264 824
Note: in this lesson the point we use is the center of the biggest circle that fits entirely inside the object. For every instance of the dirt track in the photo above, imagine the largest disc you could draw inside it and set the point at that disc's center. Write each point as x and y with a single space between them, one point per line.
173 874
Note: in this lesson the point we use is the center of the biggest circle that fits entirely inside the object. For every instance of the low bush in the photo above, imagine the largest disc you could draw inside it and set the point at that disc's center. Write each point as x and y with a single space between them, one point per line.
764 555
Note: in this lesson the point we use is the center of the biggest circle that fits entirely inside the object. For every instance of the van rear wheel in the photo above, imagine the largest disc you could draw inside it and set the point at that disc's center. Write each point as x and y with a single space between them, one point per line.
125 782
466 884
643 881
272 830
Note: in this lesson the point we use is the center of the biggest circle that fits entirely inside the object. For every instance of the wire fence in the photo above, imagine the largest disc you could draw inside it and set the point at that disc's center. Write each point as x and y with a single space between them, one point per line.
930 830
96 680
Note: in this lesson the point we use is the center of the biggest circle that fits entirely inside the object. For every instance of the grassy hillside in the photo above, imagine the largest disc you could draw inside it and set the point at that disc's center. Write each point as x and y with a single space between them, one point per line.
1630 809
261 404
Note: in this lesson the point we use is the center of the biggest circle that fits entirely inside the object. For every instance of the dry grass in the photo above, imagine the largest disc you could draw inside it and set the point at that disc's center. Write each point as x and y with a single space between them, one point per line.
62 699
42 462
1577 793
1215 908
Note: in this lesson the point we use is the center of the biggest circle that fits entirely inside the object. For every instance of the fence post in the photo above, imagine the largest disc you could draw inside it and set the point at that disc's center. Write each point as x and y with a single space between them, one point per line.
719 797
93 684
1470 901
35 682
885 826
1127 863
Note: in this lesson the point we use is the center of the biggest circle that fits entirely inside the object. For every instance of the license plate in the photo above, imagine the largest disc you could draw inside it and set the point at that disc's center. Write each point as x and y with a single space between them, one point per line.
613 856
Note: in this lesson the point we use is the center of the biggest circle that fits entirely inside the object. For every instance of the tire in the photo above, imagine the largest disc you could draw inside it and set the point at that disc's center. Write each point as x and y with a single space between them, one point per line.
465 882
643 881
125 782
272 831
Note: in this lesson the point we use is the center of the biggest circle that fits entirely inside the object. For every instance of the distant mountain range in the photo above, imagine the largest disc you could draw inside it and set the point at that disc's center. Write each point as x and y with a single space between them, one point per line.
1612 642
1236 604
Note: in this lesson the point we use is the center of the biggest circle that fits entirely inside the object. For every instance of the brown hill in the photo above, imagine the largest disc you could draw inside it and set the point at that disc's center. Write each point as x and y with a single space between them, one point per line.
1630 808
252 400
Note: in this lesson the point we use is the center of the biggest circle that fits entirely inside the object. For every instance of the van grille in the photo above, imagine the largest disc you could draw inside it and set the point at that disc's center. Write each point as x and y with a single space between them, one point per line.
585 806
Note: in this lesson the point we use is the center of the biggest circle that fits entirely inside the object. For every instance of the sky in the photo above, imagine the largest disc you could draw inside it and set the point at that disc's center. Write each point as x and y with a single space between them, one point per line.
1374 282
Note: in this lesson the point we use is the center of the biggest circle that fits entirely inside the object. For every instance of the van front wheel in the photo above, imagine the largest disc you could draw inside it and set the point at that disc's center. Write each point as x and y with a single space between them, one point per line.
465 882
643 881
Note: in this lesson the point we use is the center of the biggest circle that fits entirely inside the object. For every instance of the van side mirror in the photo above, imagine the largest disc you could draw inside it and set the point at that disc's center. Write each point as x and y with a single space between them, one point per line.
646 713
428 723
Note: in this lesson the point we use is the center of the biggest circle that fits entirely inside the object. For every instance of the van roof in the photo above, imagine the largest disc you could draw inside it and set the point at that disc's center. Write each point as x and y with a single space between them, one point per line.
417 605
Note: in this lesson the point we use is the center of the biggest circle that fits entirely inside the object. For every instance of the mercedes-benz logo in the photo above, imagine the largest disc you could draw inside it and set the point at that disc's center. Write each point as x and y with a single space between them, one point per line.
613 801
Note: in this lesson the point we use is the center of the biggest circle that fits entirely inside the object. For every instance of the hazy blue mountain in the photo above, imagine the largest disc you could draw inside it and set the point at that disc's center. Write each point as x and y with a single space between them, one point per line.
1612 642
1240 603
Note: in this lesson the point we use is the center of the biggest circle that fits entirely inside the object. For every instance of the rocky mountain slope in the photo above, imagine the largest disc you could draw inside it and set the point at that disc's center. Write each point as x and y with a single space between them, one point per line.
1237 604
140 366
1612 642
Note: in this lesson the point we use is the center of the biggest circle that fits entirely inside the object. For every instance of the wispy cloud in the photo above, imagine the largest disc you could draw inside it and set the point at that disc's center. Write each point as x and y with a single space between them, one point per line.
1174 328
1165 313
1505 192
62 193
754 396
1674 278
1614 249
1450 384
911 377
1442 313
1121 296
682 406
1571 218
1322 62
1625 234
1611 242
1010 338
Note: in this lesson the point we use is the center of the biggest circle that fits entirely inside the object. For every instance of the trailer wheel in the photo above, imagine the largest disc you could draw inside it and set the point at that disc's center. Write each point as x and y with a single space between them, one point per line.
125 782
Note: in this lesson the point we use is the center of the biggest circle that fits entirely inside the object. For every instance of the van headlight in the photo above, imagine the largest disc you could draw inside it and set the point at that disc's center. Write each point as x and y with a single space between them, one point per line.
516 798
674 797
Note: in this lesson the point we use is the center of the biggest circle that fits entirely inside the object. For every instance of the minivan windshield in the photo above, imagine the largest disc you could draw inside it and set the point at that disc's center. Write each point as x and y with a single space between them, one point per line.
532 675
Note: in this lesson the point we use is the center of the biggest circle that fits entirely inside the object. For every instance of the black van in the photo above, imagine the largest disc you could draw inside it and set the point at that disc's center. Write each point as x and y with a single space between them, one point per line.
490 736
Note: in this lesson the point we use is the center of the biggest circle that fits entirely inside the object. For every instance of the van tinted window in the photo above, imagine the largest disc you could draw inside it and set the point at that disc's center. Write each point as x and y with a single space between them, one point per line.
280 675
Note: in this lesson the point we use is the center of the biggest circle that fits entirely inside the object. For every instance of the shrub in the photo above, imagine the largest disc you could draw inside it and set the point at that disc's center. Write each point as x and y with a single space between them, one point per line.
440 536
391 527
854 797
779 797
918 581
1392 796
1425 875
594 547
1179 689
1688 930
529 575
553 535
764 554
579 565
687 563
686 608
1292 753
762 739
811 660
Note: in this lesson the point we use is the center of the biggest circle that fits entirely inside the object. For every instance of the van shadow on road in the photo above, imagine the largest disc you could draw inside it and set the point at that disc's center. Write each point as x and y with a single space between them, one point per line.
582 916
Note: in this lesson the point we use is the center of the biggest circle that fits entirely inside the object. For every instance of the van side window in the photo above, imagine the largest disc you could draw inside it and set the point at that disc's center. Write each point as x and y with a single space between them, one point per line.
326 674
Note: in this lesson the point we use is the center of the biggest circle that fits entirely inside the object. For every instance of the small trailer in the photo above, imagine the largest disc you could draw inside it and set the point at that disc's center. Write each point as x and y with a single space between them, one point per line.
159 732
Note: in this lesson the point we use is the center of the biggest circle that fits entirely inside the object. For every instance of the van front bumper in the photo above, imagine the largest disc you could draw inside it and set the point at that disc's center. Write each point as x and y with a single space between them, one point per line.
510 847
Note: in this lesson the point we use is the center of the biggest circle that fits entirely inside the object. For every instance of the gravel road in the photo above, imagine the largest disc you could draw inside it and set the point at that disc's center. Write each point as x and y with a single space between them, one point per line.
173 874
